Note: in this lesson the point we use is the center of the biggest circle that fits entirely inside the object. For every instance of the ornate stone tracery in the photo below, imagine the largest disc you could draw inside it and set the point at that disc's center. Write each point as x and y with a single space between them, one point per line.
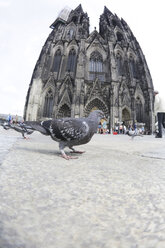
95 103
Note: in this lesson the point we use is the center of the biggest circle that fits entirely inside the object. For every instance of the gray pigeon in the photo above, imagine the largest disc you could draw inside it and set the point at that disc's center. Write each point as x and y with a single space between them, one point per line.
69 132
19 127
5 125
133 133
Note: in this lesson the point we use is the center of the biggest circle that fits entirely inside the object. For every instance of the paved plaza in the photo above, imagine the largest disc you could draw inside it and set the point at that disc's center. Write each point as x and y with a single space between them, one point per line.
112 196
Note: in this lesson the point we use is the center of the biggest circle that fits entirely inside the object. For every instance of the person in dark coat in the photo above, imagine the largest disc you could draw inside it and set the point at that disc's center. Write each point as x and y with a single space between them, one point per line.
159 108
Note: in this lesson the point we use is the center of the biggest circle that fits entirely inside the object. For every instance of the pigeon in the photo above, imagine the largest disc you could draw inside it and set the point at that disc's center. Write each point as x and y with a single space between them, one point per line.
5 125
69 132
19 127
133 133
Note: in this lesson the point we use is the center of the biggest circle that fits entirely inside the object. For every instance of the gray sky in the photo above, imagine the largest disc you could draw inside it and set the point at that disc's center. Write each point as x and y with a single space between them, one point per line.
24 28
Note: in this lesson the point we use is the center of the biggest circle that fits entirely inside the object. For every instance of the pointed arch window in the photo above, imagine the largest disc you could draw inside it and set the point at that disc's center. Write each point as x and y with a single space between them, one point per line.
139 110
74 19
57 61
119 36
96 67
96 62
114 23
71 32
71 61
48 107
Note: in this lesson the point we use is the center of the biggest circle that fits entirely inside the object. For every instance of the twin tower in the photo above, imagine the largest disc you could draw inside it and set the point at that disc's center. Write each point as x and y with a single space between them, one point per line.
78 72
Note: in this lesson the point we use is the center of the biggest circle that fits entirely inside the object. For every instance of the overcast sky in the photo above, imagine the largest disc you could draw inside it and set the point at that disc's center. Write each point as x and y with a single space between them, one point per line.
24 28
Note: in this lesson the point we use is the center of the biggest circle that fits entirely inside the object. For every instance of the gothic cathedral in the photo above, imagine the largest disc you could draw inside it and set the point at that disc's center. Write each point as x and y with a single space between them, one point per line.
78 72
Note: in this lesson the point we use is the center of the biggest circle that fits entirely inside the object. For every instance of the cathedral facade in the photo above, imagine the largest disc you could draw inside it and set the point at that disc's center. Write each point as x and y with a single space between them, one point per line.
78 72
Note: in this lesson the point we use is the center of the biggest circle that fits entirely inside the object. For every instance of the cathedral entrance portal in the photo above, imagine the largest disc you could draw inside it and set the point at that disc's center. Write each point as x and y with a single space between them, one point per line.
64 111
126 116
96 104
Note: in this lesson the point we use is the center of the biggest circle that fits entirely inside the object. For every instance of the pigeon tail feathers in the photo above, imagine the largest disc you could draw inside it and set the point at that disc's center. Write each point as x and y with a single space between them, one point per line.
42 127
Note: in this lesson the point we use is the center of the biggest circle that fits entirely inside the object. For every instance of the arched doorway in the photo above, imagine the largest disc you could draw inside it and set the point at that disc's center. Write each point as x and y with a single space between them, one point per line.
126 116
96 104
64 111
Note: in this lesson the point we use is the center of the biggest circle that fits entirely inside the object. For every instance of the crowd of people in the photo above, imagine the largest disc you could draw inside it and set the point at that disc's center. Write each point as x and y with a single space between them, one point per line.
120 128
13 119
102 128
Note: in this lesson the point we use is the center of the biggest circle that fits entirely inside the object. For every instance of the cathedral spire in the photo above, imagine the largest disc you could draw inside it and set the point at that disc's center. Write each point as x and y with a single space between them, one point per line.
79 8
107 11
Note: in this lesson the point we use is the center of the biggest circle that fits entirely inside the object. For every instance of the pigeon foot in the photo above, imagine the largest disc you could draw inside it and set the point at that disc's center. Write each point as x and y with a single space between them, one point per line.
26 138
68 157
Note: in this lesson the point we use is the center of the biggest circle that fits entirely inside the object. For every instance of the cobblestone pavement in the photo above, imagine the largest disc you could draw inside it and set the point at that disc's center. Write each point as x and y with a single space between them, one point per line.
112 196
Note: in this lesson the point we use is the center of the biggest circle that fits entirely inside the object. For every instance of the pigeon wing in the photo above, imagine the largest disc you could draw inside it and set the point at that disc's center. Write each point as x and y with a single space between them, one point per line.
69 129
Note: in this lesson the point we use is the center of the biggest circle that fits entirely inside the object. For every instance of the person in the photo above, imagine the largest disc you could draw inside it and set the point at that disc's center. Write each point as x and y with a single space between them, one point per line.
9 118
159 108
135 128
124 129
117 129
16 119
104 124
120 129
99 128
